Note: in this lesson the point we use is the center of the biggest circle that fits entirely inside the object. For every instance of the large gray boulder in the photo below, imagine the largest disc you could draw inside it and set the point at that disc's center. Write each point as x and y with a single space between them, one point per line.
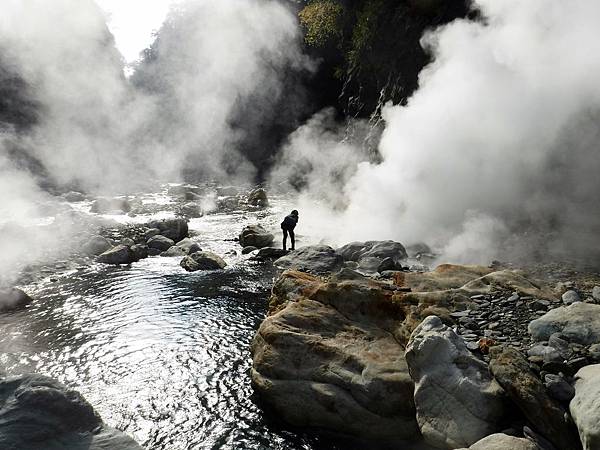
579 322
500 441
96 245
355 251
327 357
318 259
174 229
258 197
121 254
256 236
202 261
457 400
40 413
161 243
585 406
13 299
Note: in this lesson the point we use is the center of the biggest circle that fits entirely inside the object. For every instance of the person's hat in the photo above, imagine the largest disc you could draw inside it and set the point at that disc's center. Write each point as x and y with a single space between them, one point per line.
295 212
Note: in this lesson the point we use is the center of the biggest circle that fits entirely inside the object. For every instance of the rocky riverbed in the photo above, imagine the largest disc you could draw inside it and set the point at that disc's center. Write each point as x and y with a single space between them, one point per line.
158 312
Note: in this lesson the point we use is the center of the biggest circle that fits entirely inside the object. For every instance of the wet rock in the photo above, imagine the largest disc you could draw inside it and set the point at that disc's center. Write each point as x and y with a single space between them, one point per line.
319 259
174 229
185 245
13 299
457 400
96 245
526 390
248 249
500 441
128 242
256 236
173 252
195 247
105 205
140 251
40 413
150 233
191 210
355 251
559 388
154 252
121 254
160 242
579 322
258 197
228 203
418 249
271 253
585 407
570 297
74 196
202 261
326 357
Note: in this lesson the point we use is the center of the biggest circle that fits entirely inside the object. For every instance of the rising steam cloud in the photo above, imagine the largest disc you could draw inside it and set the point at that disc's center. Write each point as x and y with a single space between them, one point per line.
496 154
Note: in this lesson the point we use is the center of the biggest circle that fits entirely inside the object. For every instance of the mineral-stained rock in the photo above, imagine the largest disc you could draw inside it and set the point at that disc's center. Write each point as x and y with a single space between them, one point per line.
500 441
329 358
526 390
579 322
12 299
318 259
202 261
40 413
256 236
458 402
585 406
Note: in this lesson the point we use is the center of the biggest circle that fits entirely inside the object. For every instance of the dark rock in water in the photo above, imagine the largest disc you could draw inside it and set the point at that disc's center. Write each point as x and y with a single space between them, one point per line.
174 251
195 247
202 261
228 203
256 236
185 245
74 196
355 251
160 242
139 251
174 229
258 197
104 205
121 254
96 246
40 413
150 233
526 390
191 210
13 299
154 252
127 242
248 249
271 253
318 259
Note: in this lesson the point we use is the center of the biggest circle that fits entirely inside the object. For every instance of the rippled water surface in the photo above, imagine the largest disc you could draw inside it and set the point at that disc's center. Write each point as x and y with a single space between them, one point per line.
162 354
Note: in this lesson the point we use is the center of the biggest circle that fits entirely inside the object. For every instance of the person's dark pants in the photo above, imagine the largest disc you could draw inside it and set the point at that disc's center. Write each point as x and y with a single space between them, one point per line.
292 238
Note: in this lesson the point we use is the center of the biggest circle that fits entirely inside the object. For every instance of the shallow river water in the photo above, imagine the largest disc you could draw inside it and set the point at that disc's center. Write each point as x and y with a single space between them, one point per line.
161 353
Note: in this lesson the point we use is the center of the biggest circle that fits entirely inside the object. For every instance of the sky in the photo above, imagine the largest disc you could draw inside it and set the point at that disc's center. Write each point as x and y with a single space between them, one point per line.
133 21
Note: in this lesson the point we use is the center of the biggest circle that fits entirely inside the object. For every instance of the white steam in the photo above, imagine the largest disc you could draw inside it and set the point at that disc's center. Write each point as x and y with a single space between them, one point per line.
499 138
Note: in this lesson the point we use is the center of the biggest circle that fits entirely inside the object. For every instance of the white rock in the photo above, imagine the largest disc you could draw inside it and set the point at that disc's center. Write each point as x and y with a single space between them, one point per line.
585 406
570 297
579 322
500 441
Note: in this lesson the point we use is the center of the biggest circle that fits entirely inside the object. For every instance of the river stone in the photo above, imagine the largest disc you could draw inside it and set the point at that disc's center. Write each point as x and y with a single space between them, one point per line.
202 261
96 245
579 323
258 197
318 259
150 233
326 357
248 249
256 236
457 400
501 441
121 254
195 247
570 297
160 242
185 245
585 406
40 413
374 249
526 390
140 251
559 388
13 299
271 253
174 229
173 251
191 210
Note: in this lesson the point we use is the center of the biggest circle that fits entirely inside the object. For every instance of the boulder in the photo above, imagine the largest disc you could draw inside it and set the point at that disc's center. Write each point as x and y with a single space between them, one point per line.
185 245
150 233
256 236
202 261
578 322
559 388
103 205
96 245
140 251
160 242
13 299
74 196
526 390
318 259
195 247
327 357
40 413
174 229
191 210
258 197
174 252
585 406
500 441
570 297
121 254
127 242
457 401
271 253
355 251
248 249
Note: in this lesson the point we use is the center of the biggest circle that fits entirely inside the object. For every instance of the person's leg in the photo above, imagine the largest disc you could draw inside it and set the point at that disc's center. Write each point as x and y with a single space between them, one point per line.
284 238
293 239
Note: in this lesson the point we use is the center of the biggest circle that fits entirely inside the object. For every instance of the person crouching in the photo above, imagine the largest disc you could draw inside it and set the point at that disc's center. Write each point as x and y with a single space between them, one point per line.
288 225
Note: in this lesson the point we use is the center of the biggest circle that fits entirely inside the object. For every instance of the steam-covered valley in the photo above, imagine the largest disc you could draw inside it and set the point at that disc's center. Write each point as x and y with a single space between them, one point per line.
442 290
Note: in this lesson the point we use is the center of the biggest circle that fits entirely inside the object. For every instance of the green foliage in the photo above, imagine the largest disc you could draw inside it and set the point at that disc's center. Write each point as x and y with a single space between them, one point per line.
365 29
322 21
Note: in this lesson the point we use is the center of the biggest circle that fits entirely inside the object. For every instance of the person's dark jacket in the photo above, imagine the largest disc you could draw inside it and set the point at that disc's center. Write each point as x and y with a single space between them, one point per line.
289 223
